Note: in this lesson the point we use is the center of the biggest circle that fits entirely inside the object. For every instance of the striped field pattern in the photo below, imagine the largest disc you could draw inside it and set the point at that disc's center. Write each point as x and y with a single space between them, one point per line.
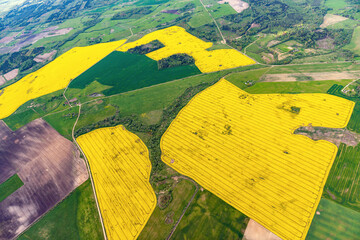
120 167
241 147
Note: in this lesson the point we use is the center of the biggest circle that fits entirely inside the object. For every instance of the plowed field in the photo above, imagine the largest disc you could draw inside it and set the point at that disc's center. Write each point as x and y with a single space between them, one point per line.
242 148
120 166
49 166
177 40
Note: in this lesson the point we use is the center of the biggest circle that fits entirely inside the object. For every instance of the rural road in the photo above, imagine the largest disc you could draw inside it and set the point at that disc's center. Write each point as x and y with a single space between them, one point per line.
90 174
187 206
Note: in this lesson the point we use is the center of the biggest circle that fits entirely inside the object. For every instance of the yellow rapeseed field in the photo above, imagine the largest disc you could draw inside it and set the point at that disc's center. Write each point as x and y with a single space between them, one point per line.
177 40
54 76
241 147
120 166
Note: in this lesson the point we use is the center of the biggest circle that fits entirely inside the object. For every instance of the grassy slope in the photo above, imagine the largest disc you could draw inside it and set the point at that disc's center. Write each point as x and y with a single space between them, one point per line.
240 78
335 4
334 222
63 121
10 186
209 217
74 218
34 109
295 87
126 72
156 227
355 42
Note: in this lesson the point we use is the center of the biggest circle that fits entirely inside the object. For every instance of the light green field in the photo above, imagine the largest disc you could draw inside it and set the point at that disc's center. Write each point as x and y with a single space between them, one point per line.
334 222
335 4
208 217
63 121
200 19
355 42
347 24
294 87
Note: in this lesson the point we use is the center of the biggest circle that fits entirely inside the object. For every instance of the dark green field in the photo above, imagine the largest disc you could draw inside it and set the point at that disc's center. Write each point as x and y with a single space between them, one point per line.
209 217
343 184
74 218
335 222
10 186
126 72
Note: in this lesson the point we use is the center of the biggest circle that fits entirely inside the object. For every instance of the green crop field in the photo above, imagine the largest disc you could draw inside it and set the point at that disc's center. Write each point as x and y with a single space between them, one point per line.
163 220
63 121
127 72
355 41
334 222
295 87
10 186
74 218
343 184
335 4
209 217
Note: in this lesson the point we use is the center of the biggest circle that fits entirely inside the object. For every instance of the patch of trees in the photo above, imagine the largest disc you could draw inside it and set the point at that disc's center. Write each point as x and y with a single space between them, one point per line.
207 32
180 59
242 42
146 48
22 60
309 36
134 124
187 7
274 16
133 13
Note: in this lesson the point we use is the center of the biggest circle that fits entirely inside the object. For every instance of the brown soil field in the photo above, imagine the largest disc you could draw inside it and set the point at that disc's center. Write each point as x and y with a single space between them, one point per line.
255 231
11 75
45 57
315 76
331 19
2 80
49 166
237 5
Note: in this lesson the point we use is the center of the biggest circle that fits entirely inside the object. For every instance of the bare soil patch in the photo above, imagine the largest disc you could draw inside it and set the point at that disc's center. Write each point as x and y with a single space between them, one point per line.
2 80
272 43
45 57
255 231
331 19
334 135
11 75
326 43
237 5
315 76
49 166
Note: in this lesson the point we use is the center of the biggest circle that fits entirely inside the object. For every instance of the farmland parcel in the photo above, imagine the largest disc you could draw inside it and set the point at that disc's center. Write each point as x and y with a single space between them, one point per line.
120 166
52 77
242 148
49 167
177 40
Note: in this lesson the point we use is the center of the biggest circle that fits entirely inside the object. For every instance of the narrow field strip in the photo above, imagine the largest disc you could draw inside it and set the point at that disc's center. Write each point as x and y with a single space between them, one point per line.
241 147
177 40
54 76
120 167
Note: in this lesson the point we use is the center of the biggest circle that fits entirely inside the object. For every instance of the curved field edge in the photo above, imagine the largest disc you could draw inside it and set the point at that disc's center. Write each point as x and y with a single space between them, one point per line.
304 137
107 204
74 218
60 72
